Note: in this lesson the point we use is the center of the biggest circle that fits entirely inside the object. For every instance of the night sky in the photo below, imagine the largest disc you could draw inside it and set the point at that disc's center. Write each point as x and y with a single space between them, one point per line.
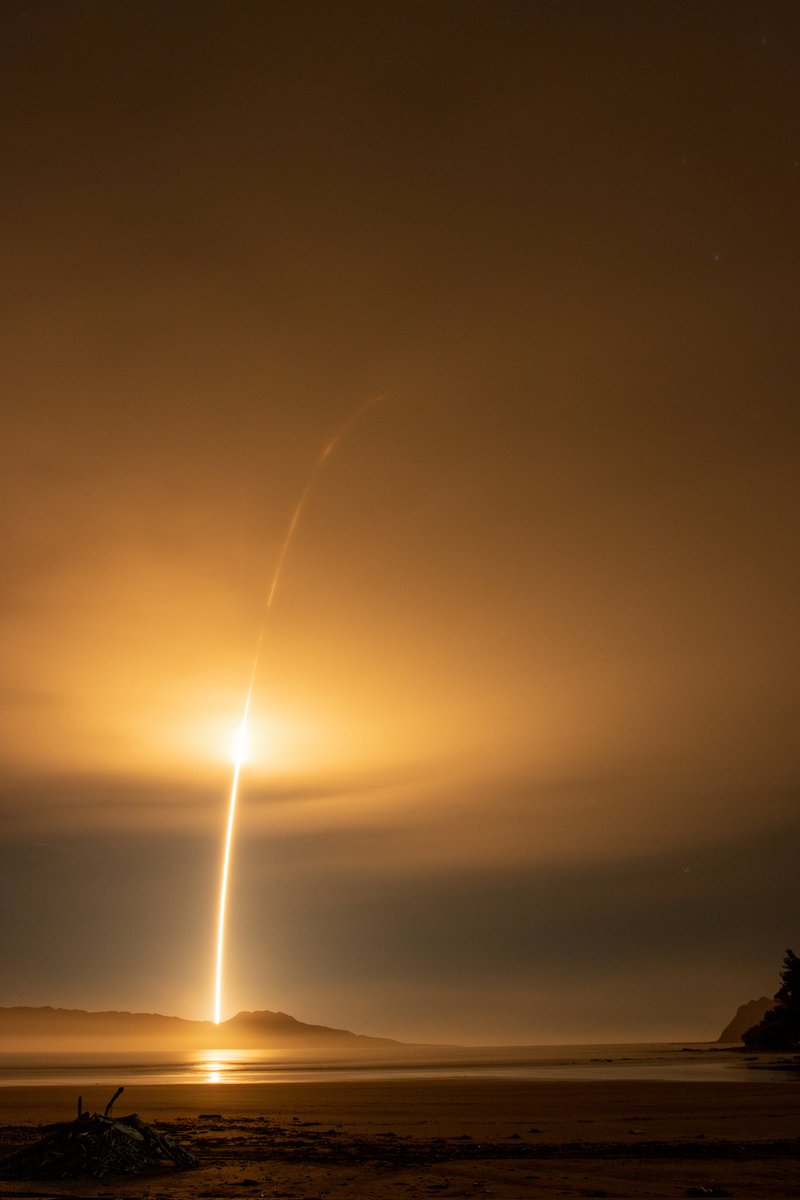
525 753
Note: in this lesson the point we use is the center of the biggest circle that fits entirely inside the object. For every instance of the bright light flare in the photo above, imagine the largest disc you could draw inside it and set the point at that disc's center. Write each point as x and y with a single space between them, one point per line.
223 892
241 742
240 754
240 749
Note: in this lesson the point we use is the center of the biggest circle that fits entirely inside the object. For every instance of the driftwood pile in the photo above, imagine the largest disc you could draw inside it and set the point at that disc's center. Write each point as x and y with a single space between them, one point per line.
94 1146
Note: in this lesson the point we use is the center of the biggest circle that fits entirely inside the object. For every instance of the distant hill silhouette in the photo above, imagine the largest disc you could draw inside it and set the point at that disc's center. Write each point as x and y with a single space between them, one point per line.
246 1031
746 1016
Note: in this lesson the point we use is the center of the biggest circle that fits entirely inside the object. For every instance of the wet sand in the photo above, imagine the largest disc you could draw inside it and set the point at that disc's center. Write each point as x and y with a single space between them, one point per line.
412 1138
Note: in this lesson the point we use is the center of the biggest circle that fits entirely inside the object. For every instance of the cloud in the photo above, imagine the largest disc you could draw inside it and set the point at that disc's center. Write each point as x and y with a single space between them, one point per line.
419 818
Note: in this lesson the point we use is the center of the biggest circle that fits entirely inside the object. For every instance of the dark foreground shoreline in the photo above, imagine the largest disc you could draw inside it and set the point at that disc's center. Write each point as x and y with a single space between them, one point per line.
505 1139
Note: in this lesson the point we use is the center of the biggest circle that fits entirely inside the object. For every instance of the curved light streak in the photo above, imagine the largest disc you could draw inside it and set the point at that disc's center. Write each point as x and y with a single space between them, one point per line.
241 740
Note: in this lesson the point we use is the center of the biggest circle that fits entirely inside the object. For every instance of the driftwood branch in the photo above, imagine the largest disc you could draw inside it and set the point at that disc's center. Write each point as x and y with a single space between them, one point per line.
110 1105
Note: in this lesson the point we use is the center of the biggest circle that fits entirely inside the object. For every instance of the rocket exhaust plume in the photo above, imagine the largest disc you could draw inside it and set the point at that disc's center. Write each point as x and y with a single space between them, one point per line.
240 752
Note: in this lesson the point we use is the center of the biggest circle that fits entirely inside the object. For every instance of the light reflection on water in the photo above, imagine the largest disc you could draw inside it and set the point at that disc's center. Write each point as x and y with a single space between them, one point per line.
655 1062
213 1071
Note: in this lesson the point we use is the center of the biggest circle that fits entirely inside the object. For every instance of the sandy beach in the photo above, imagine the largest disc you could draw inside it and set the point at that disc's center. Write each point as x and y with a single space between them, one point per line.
442 1138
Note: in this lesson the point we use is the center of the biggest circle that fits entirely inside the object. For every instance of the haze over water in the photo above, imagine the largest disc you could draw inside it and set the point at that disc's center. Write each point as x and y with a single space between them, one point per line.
656 1061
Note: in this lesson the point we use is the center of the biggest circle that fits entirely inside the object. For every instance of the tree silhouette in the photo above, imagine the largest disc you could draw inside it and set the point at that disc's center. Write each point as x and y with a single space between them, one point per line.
779 1029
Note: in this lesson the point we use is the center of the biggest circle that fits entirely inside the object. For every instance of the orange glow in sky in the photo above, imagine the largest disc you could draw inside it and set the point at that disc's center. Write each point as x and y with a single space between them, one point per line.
525 706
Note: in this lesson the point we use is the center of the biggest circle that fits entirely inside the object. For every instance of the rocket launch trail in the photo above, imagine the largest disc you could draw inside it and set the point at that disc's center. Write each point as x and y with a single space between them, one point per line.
240 752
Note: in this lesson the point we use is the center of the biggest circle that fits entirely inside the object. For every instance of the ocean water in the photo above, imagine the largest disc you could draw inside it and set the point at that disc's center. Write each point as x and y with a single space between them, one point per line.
682 1061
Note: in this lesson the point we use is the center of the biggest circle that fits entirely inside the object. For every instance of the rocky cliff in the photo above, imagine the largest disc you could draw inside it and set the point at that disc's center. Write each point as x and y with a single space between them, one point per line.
747 1015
